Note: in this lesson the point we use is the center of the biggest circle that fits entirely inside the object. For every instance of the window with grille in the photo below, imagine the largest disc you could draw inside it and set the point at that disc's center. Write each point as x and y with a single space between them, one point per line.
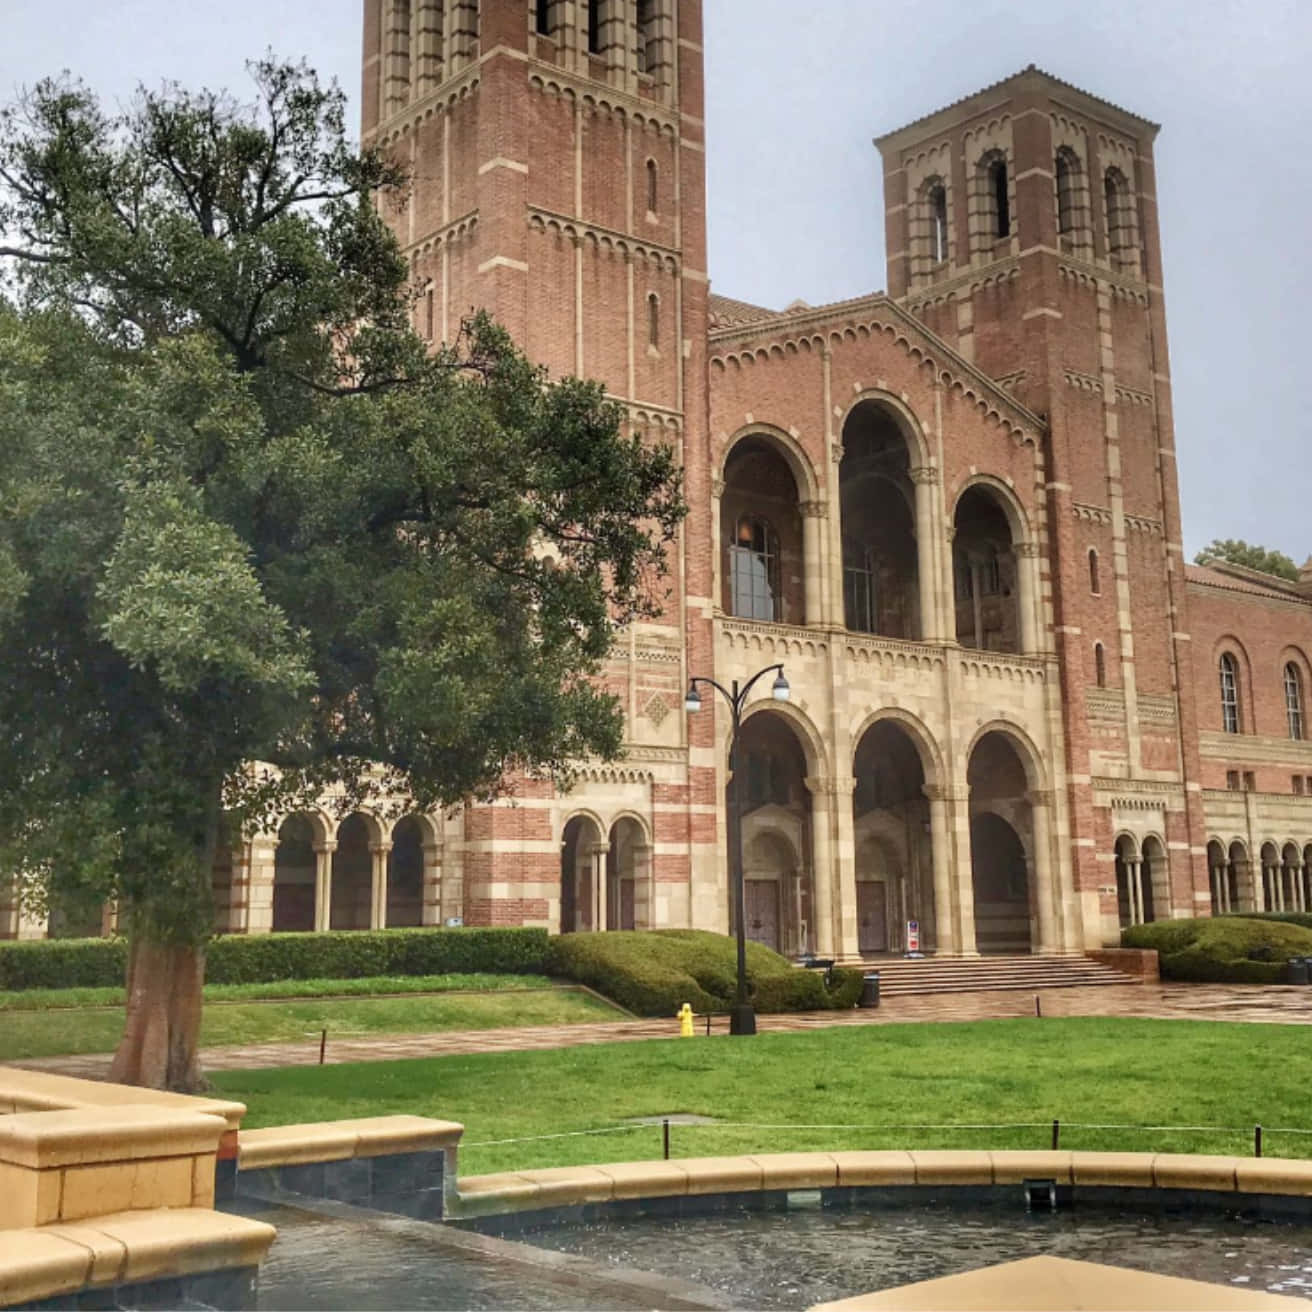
653 321
1229 694
1094 578
860 596
1294 701
653 188
990 575
1298 785
938 223
1100 664
753 568
1065 192
1232 780
1116 195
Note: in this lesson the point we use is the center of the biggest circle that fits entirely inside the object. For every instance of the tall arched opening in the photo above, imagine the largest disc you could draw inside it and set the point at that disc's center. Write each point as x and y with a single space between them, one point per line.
579 845
778 889
762 567
881 592
405 873
626 884
294 867
985 572
352 877
1225 894
1156 877
1127 886
894 850
1241 874
1271 894
1001 839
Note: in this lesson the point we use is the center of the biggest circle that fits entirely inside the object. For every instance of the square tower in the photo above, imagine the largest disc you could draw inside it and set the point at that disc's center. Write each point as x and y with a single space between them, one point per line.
556 150
1022 229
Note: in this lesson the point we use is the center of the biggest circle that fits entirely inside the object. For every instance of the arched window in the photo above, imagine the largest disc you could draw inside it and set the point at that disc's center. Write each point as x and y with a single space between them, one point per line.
1116 195
1294 701
1066 181
653 321
1000 199
594 27
1229 694
1100 664
653 190
938 223
753 568
543 18
1094 580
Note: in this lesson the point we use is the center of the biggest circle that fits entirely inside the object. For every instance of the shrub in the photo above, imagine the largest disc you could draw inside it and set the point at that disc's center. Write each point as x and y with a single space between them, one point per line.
264 958
1223 949
653 973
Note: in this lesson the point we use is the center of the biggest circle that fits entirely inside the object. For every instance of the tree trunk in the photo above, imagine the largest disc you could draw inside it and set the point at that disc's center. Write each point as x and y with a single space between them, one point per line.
160 1038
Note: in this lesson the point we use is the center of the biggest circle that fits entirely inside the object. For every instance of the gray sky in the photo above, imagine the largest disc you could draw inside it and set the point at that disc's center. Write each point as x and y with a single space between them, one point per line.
795 204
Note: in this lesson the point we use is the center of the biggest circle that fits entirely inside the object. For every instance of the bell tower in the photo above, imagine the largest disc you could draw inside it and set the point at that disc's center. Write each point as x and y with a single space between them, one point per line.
557 156
1022 229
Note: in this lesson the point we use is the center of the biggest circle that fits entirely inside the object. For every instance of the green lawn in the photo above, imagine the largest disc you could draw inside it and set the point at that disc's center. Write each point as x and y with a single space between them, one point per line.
1135 1072
45 999
53 1033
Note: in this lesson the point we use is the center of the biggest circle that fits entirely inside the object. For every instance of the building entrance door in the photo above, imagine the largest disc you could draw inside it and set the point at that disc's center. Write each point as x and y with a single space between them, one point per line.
872 916
762 899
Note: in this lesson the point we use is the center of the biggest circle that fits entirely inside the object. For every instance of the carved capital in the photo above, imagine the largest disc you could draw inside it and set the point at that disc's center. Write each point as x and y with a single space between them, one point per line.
926 474
814 509
836 452
717 488
822 787
1040 797
1029 550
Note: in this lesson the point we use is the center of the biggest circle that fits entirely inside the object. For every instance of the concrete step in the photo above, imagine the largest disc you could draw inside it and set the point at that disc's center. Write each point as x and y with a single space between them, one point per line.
901 977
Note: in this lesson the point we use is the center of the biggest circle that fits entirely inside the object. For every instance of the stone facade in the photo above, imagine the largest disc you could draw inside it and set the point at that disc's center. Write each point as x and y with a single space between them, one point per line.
949 511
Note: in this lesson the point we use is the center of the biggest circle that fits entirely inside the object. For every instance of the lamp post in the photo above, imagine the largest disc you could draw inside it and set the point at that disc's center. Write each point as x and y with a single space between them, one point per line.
742 1019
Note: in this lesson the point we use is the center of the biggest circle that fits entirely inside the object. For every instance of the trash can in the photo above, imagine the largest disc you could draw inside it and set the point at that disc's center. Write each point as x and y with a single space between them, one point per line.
870 989
1296 971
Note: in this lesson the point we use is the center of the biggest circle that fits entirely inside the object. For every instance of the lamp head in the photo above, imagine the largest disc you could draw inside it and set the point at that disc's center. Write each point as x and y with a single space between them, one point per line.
692 701
780 690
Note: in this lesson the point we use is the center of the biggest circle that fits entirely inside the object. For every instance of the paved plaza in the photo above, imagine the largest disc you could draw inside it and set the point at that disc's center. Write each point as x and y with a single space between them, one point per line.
1253 1003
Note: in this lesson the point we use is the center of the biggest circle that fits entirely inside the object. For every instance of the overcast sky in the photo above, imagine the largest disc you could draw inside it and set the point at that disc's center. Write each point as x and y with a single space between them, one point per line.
795 204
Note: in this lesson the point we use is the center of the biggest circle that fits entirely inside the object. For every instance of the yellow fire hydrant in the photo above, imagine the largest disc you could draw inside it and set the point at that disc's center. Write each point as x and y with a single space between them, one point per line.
685 1021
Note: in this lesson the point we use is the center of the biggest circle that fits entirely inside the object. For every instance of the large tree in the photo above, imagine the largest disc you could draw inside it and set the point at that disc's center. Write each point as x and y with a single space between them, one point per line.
255 540
1238 552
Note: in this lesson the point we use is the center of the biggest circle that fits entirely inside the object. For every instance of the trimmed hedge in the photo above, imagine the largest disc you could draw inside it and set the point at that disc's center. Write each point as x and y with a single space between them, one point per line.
264 958
653 973
1223 949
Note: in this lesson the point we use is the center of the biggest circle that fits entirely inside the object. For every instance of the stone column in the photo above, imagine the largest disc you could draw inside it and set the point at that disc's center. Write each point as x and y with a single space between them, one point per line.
947 936
925 479
1027 585
378 885
432 858
599 852
1046 892
323 884
1133 871
837 607
813 529
1253 875
717 550
958 803
1300 891
824 928
1216 876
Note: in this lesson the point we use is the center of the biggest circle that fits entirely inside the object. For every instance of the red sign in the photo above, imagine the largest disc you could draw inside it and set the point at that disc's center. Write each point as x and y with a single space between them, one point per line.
913 936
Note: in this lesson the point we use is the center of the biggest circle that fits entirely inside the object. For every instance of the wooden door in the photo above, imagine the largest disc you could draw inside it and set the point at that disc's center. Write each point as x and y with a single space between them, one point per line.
872 916
762 898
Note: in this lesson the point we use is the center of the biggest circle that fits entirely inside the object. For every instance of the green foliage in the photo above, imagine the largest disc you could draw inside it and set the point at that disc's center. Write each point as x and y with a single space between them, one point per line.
248 517
1239 552
265 958
655 973
1224 949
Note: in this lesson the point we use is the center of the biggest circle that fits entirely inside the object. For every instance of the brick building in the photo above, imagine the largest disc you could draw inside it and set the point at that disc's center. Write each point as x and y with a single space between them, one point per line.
950 510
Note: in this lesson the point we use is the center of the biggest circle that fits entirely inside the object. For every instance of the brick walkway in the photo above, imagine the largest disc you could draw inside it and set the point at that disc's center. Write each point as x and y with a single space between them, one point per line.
1251 1003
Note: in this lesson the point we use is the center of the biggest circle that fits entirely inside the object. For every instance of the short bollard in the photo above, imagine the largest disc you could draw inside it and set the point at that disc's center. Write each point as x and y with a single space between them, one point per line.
685 1021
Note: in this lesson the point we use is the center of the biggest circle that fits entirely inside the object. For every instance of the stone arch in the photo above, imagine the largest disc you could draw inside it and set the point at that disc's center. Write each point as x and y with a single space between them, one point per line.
1292 877
1155 873
359 836
904 417
1241 871
812 741
1126 861
628 857
762 546
1018 518
774 770
992 579
792 451
1026 749
581 842
893 837
931 758
413 841
299 840
1225 892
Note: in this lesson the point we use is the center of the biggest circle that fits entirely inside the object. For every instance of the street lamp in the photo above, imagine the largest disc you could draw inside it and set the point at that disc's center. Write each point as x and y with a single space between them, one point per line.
742 1019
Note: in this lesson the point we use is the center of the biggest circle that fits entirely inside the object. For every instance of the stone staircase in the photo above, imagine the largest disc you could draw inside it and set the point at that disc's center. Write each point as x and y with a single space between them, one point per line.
900 977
